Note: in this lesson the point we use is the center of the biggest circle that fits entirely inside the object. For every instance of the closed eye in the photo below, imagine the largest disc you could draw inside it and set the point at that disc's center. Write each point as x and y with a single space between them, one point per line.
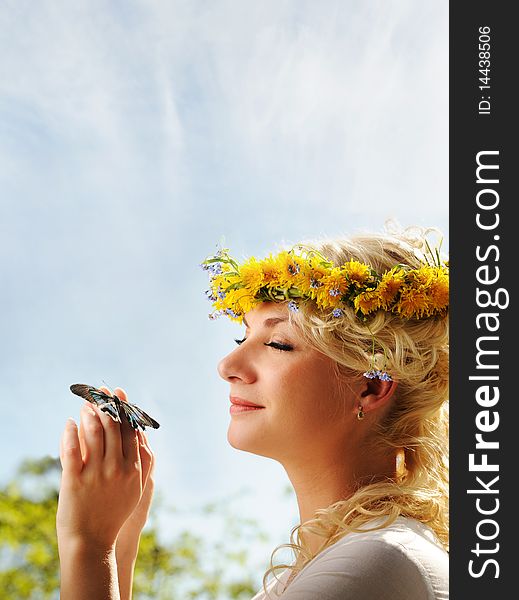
279 346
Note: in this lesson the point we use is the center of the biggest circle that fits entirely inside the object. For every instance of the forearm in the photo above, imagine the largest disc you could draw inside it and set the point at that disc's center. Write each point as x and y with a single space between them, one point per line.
88 572
105 495
126 555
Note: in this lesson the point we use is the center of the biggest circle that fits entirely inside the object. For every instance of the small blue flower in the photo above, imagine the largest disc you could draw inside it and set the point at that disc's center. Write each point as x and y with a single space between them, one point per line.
384 376
293 306
215 268
337 312
335 292
314 283
230 312
221 294
371 374
378 374
210 295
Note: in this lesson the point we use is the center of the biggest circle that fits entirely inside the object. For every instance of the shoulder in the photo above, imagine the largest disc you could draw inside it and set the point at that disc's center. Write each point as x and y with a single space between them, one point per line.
399 562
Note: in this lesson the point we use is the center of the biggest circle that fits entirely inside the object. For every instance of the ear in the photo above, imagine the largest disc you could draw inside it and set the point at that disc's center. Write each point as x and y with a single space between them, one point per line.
376 394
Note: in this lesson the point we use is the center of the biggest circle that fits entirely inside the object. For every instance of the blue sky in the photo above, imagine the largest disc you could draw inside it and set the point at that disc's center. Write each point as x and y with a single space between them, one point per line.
133 136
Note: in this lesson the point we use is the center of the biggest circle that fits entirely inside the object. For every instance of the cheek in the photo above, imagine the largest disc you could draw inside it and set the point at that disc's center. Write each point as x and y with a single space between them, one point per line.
308 396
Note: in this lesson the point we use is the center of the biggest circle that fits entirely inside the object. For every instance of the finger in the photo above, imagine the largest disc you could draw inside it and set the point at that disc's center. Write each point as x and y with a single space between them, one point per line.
113 450
129 436
92 434
121 394
70 450
107 391
82 443
130 441
147 457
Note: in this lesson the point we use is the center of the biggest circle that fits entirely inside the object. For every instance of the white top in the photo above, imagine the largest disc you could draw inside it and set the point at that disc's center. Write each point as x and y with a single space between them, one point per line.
404 561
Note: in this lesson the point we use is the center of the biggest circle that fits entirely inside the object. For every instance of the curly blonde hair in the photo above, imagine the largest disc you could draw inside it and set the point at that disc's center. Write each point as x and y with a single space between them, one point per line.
416 354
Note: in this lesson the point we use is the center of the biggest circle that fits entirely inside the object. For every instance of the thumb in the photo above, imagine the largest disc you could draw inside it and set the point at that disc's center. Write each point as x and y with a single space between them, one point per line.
70 450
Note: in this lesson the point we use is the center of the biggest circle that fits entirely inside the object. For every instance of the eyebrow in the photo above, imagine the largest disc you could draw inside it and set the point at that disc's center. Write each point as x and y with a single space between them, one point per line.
270 322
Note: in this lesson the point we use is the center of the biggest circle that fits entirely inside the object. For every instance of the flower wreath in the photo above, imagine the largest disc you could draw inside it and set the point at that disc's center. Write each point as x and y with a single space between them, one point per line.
303 274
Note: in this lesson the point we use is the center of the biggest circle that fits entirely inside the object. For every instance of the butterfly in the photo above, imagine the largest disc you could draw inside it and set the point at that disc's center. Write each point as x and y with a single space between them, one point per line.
111 405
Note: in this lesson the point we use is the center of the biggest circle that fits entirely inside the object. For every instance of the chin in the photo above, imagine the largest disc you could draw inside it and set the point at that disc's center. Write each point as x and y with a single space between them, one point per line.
247 441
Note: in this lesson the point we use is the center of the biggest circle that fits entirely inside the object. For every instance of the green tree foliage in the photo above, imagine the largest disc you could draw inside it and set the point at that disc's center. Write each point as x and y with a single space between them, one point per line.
188 567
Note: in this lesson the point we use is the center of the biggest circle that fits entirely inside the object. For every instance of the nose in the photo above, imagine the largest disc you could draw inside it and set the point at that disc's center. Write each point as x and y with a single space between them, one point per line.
236 367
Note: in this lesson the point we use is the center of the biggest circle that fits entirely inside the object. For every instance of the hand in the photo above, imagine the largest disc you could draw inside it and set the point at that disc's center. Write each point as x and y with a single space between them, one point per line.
103 478
128 538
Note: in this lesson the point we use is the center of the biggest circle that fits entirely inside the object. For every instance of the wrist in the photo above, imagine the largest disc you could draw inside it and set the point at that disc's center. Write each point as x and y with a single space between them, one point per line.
87 570
84 546
127 548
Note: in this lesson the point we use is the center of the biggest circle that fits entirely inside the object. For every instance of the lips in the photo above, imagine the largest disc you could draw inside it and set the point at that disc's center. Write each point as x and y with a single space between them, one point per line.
240 402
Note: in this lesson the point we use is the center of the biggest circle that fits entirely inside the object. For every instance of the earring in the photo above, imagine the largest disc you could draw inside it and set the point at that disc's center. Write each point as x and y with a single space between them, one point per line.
360 413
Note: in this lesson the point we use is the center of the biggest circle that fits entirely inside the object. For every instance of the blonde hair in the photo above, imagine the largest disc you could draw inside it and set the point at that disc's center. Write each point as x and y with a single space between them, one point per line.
415 353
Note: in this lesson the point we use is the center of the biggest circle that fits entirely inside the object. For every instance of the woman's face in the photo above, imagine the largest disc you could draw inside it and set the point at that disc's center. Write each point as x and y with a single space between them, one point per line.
304 409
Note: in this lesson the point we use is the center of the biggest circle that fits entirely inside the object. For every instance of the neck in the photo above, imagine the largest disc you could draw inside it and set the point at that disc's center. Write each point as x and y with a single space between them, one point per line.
322 482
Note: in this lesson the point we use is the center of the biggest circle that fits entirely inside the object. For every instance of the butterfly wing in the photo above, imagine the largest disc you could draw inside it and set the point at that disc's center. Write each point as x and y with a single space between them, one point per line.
106 403
137 417
113 406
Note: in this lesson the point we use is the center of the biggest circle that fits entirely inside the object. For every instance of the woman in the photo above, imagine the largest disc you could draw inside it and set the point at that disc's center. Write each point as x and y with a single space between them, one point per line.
344 368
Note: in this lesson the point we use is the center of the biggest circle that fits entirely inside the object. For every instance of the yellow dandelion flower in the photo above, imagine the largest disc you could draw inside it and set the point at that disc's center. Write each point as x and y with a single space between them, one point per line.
289 267
439 290
239 301
356 272
368 301
217 281
389 286
231 277
251 274
245 301
309 278
221 282
270 269
333 286
302 283
413 302
423 276
226 267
